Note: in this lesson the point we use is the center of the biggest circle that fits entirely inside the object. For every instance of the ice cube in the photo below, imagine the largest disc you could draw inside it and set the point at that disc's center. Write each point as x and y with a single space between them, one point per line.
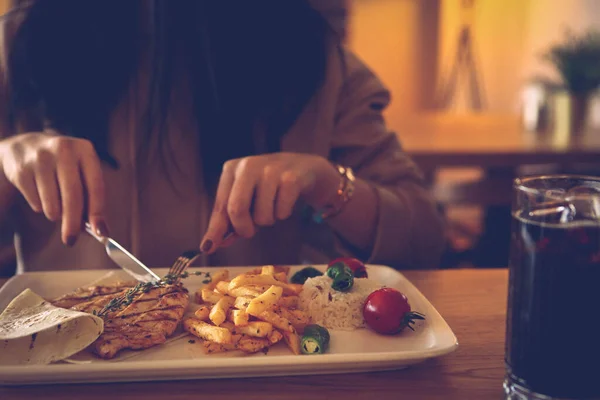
555 194
553 212
586 205
585 188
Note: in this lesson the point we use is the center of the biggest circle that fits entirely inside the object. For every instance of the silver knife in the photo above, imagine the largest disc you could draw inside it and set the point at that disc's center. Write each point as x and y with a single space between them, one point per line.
123 258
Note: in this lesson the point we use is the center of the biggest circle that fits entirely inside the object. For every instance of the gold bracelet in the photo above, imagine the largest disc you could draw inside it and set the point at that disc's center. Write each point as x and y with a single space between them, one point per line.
343 195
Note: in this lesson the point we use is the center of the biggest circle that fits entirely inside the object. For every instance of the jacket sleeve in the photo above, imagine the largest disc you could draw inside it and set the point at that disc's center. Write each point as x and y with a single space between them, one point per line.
409 230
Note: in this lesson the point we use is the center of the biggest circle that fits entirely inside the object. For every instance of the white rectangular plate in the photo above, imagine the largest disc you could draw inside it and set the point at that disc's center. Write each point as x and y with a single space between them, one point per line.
350 351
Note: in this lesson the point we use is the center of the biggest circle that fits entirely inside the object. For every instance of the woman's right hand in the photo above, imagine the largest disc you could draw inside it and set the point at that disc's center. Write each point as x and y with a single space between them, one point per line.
60 176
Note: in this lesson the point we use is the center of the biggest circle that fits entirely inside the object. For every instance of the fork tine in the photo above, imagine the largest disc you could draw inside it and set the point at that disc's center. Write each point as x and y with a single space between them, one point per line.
183 262
189 257
177 266
180 267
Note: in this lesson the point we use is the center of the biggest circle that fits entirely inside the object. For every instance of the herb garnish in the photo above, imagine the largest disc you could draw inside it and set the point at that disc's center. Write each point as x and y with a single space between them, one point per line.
144 287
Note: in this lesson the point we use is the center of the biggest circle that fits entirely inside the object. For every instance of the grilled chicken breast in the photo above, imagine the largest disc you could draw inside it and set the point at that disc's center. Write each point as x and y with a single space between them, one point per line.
149 320
92 293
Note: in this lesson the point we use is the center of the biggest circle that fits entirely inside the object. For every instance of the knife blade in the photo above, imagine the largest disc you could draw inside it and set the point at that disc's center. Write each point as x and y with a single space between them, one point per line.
124 259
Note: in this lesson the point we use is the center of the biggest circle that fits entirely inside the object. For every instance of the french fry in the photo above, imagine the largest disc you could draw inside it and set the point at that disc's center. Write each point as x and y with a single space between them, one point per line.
222 287
208 296
206 331
230 326
216 277
218 314
281 268
265 301
288 301
249 344
246 291
212 347
255 271
281 276
255 329
276 268
275 336
297 317
246 280
202 313
276 320
238 317
296 288
224 320
268 270
241 303
292 340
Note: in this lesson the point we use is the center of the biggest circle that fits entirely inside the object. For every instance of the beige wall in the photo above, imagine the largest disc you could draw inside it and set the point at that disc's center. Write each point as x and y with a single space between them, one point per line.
499 28
387 35
546 25
4 6
509 35
383 33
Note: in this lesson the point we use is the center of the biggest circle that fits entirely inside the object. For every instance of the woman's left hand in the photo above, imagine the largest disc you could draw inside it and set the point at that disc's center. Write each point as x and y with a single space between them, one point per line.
259 190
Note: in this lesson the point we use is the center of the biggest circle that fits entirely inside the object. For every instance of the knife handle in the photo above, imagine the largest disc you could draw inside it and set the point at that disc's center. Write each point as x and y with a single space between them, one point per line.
90 230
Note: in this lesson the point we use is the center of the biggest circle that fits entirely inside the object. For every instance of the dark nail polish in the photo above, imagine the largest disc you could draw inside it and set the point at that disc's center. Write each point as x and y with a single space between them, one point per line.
71 240
102 229
207 245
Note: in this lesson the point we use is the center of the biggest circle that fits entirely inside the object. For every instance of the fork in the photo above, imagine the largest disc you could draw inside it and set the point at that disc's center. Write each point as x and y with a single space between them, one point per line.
188 257
183 262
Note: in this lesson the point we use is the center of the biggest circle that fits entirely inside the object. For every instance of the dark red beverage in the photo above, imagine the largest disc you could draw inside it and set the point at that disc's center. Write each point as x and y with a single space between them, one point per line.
553 321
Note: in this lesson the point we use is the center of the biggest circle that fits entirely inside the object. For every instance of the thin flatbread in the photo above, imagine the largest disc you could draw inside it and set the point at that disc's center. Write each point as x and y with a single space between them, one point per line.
33 331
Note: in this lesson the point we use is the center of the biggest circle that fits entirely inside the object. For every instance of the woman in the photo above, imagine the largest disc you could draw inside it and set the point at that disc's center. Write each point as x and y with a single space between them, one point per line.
233 126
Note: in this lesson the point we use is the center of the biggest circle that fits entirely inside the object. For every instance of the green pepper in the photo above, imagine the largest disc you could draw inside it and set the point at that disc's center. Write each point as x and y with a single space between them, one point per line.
315 340
343 282
337 269
314 329
301 276
342 275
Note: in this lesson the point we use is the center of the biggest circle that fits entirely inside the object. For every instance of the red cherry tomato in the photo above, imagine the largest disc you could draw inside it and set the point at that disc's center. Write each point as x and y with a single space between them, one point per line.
387 311
357 267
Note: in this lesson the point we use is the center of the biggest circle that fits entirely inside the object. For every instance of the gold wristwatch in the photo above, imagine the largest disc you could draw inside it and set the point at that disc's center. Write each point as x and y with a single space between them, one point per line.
343 195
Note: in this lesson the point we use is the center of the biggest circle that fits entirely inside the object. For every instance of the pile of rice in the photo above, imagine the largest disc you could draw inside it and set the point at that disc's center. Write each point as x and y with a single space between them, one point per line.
332 309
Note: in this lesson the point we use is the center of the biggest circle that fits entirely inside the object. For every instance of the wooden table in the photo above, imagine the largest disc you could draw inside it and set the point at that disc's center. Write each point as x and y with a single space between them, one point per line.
498 145
473 302
489 141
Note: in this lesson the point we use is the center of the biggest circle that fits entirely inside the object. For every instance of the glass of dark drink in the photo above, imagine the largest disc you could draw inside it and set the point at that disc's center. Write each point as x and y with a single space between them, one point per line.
553 319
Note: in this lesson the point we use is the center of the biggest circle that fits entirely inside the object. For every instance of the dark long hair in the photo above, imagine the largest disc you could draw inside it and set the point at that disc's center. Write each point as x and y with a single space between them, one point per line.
250 63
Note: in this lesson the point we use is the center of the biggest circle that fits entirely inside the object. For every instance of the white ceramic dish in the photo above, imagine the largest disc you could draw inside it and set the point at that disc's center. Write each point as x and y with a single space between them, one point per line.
355 351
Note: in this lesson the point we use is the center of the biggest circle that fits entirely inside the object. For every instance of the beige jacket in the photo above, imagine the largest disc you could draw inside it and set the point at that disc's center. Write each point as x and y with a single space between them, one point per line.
343 123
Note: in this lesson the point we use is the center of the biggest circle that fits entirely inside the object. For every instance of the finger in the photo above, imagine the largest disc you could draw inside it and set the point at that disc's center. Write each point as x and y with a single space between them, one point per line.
71 193
287 195
28 188
266 191
47 185
93 182
219 220
229 240
240 201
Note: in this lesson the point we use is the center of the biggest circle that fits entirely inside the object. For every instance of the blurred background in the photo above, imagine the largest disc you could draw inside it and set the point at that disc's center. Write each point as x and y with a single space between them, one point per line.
474 101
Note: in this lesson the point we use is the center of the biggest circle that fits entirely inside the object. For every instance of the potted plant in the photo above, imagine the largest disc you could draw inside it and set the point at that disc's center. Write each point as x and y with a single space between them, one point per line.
577 60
